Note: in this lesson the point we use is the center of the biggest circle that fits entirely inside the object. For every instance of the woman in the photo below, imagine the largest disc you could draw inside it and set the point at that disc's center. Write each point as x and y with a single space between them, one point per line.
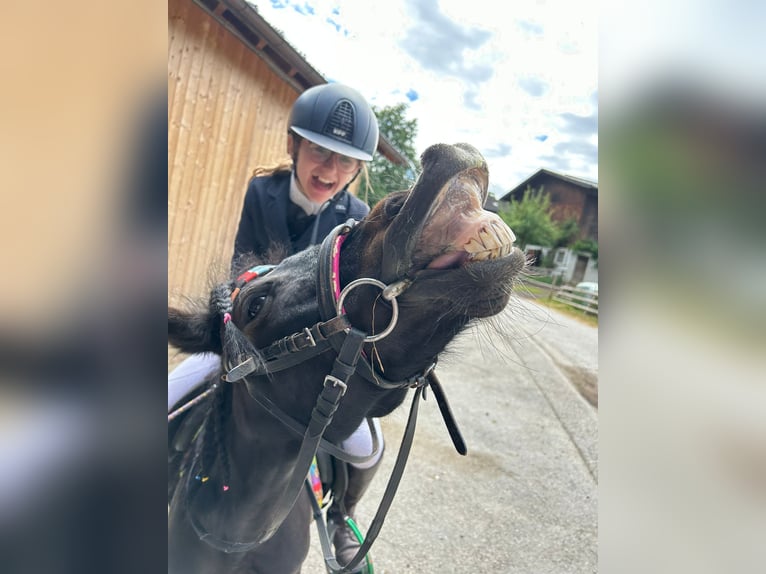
332 131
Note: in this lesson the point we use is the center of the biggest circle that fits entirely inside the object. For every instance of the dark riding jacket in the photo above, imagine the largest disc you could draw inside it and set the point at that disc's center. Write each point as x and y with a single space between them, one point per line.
268 217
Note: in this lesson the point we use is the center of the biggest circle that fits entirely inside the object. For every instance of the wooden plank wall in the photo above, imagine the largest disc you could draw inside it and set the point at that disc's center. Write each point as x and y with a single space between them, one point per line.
227 114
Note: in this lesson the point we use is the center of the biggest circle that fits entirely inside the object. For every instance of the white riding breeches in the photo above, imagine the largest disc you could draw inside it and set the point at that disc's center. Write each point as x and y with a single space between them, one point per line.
190 374
360 443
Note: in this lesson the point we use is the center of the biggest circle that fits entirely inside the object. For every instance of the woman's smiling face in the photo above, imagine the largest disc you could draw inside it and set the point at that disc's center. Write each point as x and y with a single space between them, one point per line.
321 173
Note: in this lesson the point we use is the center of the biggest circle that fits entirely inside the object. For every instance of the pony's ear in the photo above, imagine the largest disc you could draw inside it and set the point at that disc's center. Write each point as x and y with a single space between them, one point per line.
194 332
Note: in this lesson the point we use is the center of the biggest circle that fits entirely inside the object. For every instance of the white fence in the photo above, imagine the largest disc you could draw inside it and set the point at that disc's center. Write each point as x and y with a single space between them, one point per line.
577 298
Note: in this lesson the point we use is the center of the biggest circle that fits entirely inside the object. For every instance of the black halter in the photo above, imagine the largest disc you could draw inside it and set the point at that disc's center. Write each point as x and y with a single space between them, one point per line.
328 333
334 332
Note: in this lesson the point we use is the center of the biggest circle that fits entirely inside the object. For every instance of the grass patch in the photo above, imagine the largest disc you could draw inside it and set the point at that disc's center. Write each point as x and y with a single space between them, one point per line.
540 295
532 291
580 315
542 278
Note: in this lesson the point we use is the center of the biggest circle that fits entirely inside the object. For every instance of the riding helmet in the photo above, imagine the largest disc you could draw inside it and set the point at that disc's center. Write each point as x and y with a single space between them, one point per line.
338 118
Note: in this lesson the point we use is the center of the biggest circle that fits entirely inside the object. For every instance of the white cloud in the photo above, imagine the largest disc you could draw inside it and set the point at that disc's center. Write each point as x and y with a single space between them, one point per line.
718 44
498 79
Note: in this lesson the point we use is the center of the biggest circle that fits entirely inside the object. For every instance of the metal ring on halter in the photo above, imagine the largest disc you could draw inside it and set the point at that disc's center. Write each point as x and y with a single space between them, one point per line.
381 286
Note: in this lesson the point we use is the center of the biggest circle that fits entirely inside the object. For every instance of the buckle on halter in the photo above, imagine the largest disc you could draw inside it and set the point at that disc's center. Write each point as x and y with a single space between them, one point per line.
421 380
240 371
393 290
309 337
336 382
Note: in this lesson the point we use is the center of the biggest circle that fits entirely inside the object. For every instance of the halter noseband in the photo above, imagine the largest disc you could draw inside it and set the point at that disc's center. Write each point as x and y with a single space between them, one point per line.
311 341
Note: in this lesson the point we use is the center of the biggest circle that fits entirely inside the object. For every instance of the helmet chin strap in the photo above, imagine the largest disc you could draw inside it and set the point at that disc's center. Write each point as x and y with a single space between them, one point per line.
352 179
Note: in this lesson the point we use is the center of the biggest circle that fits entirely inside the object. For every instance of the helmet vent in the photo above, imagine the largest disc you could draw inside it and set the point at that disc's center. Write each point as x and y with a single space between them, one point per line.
340 123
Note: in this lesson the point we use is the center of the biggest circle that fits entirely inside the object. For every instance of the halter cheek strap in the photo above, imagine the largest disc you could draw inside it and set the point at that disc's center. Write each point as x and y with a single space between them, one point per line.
329 293
335 278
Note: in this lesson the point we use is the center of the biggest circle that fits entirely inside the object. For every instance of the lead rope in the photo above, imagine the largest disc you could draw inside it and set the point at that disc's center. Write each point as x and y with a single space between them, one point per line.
388 497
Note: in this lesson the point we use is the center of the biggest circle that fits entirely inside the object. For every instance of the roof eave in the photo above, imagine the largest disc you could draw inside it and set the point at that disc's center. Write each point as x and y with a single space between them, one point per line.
243 20
585 184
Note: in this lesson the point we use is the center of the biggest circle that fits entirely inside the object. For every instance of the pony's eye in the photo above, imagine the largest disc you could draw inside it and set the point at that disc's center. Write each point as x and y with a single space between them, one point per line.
255 305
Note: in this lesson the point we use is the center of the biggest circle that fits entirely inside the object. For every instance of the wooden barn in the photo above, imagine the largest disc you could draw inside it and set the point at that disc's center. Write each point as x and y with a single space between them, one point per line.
571 197
232 79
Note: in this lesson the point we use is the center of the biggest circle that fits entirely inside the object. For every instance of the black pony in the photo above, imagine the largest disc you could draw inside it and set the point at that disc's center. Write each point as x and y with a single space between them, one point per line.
312 347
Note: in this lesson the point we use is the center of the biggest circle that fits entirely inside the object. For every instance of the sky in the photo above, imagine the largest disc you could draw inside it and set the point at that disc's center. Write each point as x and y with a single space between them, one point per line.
519 81
715 45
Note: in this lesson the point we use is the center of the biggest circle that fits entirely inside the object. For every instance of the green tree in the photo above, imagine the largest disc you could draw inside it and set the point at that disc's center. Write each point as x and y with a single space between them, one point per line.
566 233
587 246
530 218
384 176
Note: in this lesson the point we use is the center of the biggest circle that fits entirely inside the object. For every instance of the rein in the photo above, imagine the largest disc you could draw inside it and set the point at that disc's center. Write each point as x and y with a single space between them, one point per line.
334 332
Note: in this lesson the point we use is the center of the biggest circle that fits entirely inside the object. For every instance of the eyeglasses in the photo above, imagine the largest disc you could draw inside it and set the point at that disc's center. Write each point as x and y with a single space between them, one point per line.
319 154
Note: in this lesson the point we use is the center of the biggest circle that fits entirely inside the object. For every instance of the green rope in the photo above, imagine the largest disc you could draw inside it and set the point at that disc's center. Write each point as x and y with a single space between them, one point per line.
360 538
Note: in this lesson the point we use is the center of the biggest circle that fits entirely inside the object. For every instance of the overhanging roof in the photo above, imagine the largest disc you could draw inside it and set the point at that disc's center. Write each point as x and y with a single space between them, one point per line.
242 20
578 181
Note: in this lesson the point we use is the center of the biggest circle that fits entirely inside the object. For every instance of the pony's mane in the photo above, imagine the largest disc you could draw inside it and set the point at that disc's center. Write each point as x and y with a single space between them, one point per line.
235 348
244 261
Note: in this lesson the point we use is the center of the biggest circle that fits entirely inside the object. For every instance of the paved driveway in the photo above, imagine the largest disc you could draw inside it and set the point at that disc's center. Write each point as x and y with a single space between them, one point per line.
523 500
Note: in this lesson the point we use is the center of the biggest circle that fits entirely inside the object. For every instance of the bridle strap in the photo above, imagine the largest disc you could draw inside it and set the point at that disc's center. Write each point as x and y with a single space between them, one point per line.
446 411
299 429
393 484
328 282
385 503
398 471
298 347
309 338
327 292
332 391
328 273
321 416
